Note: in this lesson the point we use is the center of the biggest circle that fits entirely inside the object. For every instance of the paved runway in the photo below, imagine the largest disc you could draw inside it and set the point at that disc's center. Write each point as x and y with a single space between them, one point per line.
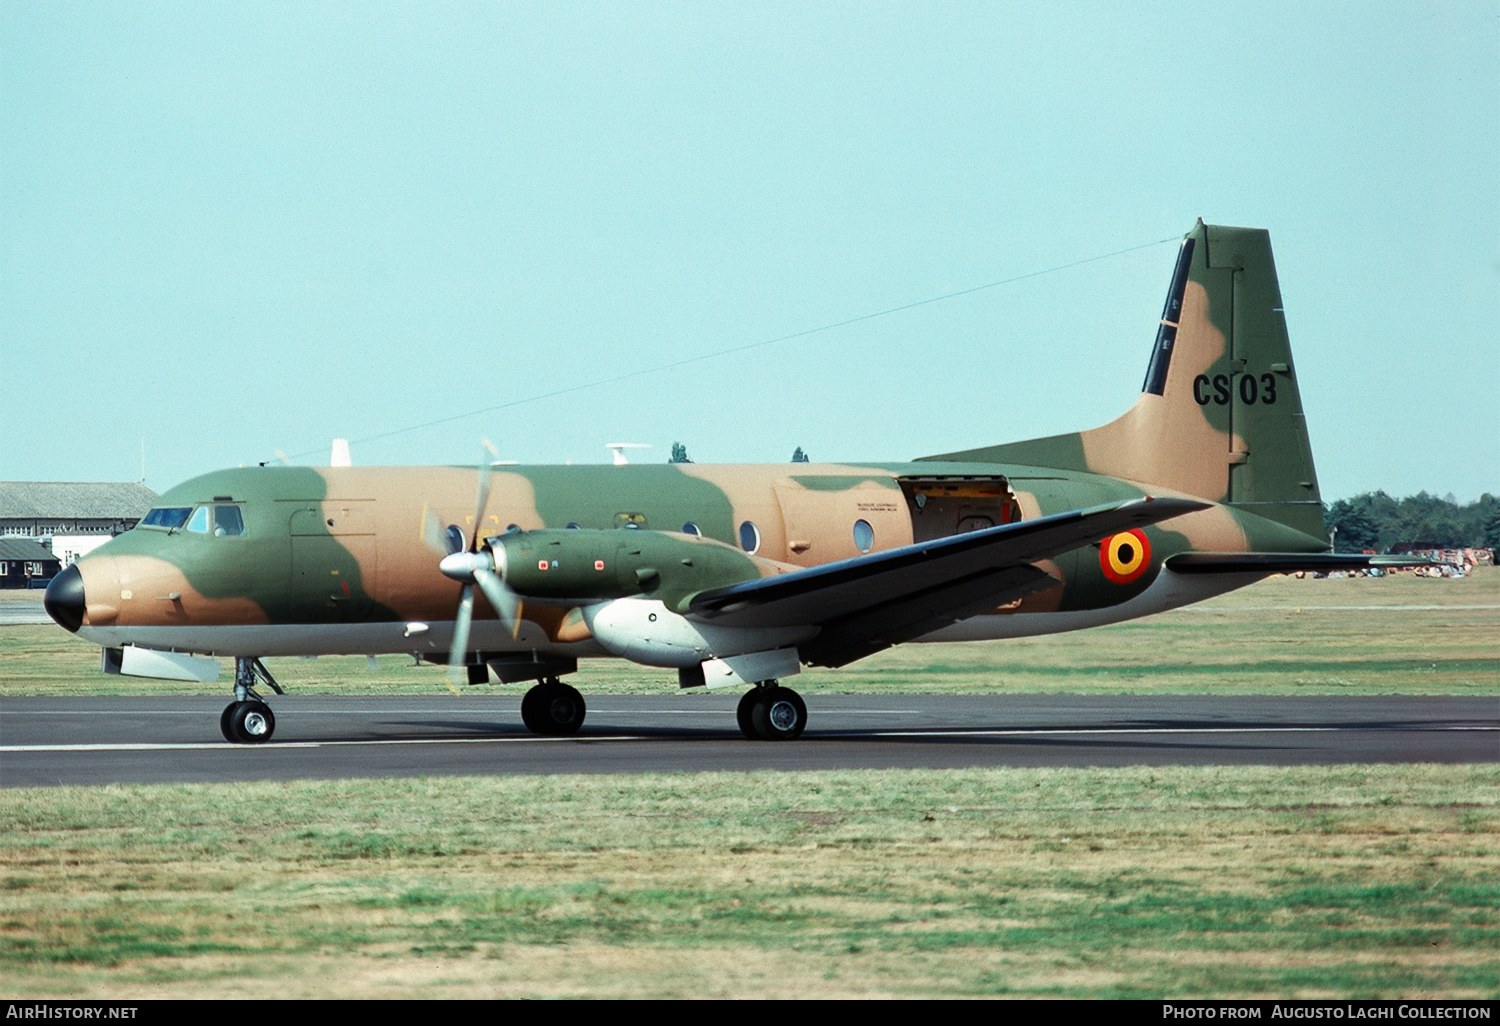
22 613
91 741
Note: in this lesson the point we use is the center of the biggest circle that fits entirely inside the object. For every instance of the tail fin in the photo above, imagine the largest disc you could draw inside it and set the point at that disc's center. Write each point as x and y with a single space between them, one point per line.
1219 415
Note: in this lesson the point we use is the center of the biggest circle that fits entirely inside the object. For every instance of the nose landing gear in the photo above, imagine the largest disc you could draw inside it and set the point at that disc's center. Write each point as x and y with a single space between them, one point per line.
247 723
248 720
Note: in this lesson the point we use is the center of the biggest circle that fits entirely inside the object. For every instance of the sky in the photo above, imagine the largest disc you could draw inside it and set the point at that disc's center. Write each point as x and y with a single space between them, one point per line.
232 232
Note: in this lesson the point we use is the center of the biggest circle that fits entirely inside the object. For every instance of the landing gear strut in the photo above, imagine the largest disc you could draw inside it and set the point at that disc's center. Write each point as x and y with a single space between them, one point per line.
553 709
770 712
248 720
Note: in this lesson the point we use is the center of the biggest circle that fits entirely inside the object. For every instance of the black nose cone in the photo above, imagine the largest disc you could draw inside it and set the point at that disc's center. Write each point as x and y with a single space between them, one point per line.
64 600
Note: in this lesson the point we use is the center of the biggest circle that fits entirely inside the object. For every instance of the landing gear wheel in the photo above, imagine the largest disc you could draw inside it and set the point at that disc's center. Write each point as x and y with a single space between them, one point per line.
743 713
553 709
224 719
247 720
777 714
247 723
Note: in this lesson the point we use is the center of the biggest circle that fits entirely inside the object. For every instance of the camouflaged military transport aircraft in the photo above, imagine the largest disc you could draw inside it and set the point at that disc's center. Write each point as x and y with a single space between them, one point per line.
738 575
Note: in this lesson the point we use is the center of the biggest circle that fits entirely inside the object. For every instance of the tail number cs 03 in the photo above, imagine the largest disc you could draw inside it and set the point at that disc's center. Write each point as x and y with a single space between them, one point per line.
1217 389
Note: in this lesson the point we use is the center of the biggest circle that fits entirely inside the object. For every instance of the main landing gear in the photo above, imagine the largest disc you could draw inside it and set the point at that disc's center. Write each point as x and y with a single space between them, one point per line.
770 712
553 709
248 720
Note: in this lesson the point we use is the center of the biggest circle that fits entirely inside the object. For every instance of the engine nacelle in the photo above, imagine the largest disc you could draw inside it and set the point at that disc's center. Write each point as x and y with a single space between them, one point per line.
645 631
578 567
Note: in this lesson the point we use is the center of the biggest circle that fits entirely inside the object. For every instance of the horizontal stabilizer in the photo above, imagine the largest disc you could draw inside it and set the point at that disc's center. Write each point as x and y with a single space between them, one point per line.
871 602
1283 562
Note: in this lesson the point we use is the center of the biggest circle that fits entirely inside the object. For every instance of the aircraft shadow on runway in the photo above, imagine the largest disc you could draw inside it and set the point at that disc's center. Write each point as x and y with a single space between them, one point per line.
1104 734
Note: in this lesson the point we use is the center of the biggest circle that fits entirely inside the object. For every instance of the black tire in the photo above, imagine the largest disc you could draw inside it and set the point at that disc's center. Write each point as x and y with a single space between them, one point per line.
251 723
778 714
553 710
743 714
531 713
224 722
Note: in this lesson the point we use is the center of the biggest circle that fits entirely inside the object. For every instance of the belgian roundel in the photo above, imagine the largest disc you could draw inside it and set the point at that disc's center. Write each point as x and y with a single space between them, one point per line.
1124 557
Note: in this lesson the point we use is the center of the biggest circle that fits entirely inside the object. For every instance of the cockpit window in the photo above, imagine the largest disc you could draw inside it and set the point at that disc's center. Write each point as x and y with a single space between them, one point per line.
169 517
219 521
228 521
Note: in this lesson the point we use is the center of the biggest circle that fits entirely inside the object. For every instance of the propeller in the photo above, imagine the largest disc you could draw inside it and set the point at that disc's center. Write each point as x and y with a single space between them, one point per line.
477 563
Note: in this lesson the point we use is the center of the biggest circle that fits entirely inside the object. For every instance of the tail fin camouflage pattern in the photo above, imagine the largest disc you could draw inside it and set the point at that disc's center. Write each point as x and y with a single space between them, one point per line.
1219 415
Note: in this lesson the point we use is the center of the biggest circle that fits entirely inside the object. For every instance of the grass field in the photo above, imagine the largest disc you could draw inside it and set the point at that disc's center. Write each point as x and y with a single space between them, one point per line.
1250 882
1352 881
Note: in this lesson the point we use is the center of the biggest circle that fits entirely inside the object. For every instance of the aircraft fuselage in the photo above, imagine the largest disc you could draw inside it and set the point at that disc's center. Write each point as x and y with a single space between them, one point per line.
305 561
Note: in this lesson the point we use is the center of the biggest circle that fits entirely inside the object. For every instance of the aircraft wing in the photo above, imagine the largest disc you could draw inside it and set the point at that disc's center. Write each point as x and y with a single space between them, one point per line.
871 602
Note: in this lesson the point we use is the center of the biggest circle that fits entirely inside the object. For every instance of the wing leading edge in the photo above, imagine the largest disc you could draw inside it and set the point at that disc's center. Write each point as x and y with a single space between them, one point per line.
872 602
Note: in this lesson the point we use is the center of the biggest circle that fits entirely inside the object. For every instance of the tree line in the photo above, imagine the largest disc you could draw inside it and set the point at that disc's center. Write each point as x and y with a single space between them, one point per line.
1376 521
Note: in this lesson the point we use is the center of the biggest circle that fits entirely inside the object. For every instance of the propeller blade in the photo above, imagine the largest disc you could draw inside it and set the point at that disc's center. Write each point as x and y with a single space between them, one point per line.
460 645
444 541
506 602
468 566
482 498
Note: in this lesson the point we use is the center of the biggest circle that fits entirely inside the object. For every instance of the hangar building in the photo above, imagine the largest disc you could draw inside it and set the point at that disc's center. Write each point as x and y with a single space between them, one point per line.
71 519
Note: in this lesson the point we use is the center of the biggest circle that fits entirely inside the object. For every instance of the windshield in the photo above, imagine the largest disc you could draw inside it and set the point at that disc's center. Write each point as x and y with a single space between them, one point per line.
220 521
169 517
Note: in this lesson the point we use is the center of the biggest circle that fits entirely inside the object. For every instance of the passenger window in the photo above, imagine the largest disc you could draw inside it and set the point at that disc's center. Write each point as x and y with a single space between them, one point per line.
692 528
864 535
198 523
749 536
228 521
